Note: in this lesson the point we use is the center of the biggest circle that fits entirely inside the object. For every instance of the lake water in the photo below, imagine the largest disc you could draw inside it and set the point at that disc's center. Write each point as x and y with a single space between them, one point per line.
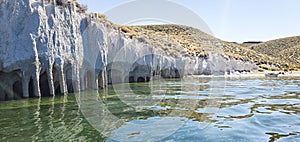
190 109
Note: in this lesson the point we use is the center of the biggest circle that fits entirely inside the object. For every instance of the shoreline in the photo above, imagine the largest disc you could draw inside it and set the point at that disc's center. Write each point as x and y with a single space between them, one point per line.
251 75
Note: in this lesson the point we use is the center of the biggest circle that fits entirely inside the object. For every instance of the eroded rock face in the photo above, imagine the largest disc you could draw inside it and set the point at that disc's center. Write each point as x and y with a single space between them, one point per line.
47 50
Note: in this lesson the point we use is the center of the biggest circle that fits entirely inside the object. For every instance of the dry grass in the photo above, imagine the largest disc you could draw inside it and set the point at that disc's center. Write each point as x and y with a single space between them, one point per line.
188 40
178 38
128 31
291 56
273 47
286 51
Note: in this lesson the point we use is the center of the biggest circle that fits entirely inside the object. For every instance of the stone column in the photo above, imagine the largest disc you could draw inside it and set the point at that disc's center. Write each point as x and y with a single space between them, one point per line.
82 83
93 82
43 3
36 84
53 2
62 80
76 78
105 82
103 79
50 80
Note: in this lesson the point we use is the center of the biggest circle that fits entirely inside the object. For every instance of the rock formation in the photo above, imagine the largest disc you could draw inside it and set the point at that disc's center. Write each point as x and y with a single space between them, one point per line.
46 49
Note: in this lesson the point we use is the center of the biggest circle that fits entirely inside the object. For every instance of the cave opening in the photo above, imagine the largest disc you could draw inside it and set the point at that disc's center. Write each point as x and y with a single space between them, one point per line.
141 79
2 87
131 79
177 74
44 85
30 88
56 83
2 93
18 90
114 76
6 98
69 80
101 80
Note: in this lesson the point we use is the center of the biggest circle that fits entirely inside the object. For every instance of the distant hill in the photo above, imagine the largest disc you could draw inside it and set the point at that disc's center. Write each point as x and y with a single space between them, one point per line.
285 50
273 47
250 43
291 55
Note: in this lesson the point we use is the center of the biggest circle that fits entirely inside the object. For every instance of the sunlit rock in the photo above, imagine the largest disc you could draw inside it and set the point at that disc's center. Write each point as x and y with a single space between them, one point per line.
48 49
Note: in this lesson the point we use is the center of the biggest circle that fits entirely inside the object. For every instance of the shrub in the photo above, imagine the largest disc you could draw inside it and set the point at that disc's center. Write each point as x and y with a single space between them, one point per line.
128 31
82 8
260 70
65 3
62 2
263 67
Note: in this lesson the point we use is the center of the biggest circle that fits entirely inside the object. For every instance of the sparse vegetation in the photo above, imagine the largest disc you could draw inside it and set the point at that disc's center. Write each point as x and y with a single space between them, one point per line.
82 8
62 2
128 31
273 47
285 51
183 39
263 67
280 54
197 43
67 3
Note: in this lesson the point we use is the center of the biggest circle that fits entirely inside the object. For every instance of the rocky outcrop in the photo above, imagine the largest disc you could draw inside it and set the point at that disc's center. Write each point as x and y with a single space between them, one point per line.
47 50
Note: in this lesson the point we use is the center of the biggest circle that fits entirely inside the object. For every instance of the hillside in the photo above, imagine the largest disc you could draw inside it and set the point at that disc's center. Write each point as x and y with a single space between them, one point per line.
197 43
285 50
175 37
291 55
273 47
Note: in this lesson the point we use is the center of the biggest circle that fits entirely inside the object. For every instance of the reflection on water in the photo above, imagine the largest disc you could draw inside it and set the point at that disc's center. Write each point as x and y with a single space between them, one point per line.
191 109
46 119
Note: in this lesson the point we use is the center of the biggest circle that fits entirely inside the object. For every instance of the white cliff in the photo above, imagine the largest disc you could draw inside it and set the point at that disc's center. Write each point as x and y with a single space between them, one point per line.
47 50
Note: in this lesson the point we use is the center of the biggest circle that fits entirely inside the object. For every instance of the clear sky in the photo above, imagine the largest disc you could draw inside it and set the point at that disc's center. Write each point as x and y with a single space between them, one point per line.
234 20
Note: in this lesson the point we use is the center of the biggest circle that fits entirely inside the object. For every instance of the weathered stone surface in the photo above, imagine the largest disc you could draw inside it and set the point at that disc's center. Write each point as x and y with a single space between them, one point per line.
47 50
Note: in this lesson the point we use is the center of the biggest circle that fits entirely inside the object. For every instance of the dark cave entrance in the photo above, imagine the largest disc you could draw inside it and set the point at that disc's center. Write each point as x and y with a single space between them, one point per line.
56 82
131 79
69 80
18 90
141 79
30 88
44 85
101 81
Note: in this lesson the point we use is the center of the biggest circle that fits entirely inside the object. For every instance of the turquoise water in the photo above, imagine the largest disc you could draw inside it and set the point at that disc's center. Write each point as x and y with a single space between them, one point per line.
191 109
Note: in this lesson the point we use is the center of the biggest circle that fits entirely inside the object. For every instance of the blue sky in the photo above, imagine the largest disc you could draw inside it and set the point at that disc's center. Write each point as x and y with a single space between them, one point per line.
234 20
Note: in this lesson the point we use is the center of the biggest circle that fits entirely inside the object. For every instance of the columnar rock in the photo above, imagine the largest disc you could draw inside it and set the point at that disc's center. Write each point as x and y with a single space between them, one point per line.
47 50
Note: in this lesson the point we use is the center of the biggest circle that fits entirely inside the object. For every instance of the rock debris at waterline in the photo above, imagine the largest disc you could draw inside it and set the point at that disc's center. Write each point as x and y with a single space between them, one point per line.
47 50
